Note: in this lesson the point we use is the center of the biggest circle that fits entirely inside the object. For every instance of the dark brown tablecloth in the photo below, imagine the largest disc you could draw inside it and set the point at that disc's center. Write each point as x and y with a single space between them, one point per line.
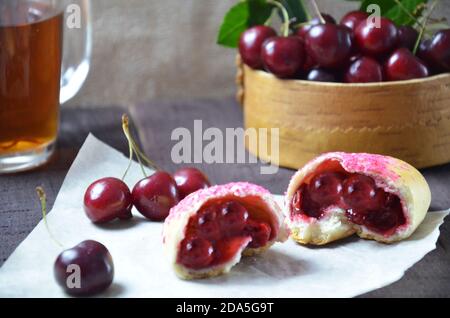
19 211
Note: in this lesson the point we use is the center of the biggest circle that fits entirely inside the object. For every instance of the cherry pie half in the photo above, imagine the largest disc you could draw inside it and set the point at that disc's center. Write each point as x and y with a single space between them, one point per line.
206 233
339 194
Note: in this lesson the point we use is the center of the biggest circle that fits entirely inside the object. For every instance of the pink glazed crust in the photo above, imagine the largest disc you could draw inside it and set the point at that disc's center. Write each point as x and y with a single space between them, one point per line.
245 193
391 174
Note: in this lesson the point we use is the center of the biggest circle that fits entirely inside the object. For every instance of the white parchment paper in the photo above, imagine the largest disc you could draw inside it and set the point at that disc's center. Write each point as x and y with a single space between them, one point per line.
343 269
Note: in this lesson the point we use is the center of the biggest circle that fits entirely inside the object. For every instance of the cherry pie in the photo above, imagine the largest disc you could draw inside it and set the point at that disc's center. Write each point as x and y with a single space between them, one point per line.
339 194
206 233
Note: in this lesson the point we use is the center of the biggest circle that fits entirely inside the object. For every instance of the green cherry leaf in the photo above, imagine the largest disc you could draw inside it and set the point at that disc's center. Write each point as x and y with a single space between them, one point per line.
240 17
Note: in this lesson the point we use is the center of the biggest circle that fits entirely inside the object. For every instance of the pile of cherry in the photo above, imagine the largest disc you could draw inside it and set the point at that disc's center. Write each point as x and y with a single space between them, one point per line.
364 203
109 199
354 51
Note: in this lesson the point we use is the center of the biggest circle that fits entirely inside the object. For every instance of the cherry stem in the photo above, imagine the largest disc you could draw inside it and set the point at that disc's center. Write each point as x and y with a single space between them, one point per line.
43 200
286 21
424 26
134 148
405 10
317 10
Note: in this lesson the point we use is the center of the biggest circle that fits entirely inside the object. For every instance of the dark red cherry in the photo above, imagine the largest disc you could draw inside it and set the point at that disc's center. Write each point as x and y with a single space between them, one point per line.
107 199
283 56
84 270
407 37
352 19
403 65
301 31
154 196
190 180
233 218
250 44
364 70
321 75
196 253
376 41
207 225
329 45
360 192
303 204
385 220
439 50
259 232
326 188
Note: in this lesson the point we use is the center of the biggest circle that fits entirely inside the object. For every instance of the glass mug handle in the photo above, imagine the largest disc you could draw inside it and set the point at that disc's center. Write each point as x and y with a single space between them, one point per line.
77 47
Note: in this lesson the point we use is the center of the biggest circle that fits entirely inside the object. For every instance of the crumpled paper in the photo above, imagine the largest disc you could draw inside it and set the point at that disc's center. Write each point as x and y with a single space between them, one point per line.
344 269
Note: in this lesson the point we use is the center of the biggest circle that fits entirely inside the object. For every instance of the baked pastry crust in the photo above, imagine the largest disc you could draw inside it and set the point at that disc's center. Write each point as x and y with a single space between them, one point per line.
247 194
393 175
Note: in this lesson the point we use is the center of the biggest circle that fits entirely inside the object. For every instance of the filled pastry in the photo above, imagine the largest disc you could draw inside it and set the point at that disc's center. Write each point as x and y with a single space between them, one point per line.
339 194
206 233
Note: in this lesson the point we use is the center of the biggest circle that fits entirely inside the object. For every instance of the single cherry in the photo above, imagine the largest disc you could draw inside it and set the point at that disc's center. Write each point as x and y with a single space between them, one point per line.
374 40
360 192
439 50
403 65
407 37
387 219
321 75
85 269
107 199
233 218
259 232
206 224
329 45
154 196
303 204
283 56
304 29
250 44
364 70
326 188
352 19
196 253
190 180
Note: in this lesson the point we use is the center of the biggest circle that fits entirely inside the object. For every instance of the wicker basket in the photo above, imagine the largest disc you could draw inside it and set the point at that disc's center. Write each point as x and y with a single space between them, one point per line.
409 120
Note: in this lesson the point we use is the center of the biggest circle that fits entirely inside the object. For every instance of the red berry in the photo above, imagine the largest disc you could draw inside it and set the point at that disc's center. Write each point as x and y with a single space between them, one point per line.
439 50
326 188
301 31
107 199
233 218
403 65
407 37
364 70
207 225
376 41
352 19
196 253
360 192
190 180
250 44
259 232
329 45
283 56
95 266
154 196
321 75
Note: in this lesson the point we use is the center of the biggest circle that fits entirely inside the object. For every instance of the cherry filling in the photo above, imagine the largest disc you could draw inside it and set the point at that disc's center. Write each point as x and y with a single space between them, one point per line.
364 202
216 233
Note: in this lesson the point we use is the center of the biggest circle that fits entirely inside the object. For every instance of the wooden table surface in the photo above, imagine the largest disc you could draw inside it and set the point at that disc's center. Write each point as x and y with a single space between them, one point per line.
19 211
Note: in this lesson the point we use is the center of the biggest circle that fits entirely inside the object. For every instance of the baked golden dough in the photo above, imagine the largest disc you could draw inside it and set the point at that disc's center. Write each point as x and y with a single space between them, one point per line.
390 174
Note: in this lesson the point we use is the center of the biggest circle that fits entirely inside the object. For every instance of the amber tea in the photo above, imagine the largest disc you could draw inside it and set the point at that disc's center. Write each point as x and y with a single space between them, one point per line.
30 70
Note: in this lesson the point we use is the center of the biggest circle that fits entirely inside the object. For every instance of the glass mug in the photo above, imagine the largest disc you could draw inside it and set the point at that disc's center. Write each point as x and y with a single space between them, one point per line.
39 70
